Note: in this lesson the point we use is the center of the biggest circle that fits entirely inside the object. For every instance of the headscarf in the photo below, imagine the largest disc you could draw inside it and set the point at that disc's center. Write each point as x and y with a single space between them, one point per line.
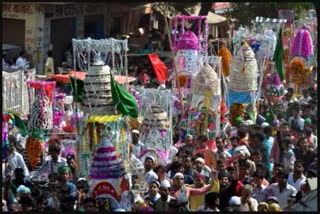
62 169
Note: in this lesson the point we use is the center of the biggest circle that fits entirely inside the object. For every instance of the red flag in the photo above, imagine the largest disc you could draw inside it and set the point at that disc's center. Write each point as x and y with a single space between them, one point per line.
159 68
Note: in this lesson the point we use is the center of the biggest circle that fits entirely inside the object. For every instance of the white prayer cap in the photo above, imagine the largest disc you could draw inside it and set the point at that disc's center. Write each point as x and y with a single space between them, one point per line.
165 184
179 174
135 131
235 200
264 124
151 157
201 160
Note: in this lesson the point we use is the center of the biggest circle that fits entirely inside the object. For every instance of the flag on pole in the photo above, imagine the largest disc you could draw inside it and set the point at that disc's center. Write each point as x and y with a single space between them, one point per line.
278 55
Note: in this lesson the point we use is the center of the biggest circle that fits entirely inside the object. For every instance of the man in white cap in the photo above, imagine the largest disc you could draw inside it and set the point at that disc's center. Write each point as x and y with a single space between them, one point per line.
149 175
163 203
153 193
201 169
137 145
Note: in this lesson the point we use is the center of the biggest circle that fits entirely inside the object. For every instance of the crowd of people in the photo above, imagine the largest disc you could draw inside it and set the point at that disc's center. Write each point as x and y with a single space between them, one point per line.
259 166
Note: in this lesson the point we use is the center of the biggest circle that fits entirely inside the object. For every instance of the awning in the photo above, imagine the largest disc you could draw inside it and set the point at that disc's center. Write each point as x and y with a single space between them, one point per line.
221 5
212 17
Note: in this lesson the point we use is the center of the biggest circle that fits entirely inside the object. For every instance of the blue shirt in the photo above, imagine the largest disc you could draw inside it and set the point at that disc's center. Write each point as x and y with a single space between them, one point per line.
267 145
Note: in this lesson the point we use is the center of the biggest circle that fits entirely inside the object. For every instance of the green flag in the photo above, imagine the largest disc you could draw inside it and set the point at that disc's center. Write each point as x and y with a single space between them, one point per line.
19 123
124 101
278 55
77 89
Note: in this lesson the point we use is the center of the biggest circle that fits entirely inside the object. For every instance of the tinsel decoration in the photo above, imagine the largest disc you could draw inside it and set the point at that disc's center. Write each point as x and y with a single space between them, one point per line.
34 151
226 60
302 44
298 72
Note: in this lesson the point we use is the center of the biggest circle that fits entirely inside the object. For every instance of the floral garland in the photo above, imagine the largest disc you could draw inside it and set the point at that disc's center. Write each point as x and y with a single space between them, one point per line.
33 150
226 60
298 72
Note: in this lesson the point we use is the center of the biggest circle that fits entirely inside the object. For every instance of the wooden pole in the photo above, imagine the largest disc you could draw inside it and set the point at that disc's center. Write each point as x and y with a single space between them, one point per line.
174 63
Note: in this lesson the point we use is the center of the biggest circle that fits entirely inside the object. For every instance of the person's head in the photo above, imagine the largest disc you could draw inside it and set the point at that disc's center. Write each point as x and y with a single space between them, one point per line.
15 207
164 189
257 178
220 142
234 141
42 203
199 180
26 202
189 139
135 136
54 151
153 188
49 53
277 168
148 163
267 131
305 93
223 178
89 205
282 178
64 172
244 170
71 160
178 180
285 142
235 203
246 192
53 177
298 167
221 166
199 163
202 141
12 143
188 163
303 143
263 207
257 156
273 207
19 174
211 199
160 170
82 187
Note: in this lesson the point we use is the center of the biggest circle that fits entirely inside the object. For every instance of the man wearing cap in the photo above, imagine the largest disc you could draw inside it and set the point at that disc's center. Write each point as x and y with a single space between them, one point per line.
198 200
149 175
153 193
204 150
234 203
64 172
162 204
137 145
201 169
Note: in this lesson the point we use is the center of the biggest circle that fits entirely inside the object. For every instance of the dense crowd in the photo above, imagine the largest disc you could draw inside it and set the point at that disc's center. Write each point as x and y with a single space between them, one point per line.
261 165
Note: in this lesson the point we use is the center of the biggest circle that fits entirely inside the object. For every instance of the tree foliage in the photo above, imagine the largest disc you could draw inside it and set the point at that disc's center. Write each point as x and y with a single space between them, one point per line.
247 11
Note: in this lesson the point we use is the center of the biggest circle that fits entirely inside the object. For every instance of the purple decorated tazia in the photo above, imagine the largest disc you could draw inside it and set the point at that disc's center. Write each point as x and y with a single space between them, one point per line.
106 163
302 44
188 41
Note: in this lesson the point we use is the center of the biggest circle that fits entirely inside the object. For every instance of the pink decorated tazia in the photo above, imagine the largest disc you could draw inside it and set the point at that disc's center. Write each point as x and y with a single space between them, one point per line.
106 163
188 41
302 44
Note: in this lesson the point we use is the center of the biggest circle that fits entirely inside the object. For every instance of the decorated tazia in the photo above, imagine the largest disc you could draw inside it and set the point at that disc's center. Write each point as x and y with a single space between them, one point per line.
243 75
206 81
106 162
274 86
97 98
302 44
42 108
156 119
299 73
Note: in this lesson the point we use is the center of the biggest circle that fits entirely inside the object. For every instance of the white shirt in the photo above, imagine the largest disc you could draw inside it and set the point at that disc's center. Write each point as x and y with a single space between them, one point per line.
22 63
203 209
304 100
273 190
245 207
136 150
298 182
15 160
300 121
258 193
49 166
